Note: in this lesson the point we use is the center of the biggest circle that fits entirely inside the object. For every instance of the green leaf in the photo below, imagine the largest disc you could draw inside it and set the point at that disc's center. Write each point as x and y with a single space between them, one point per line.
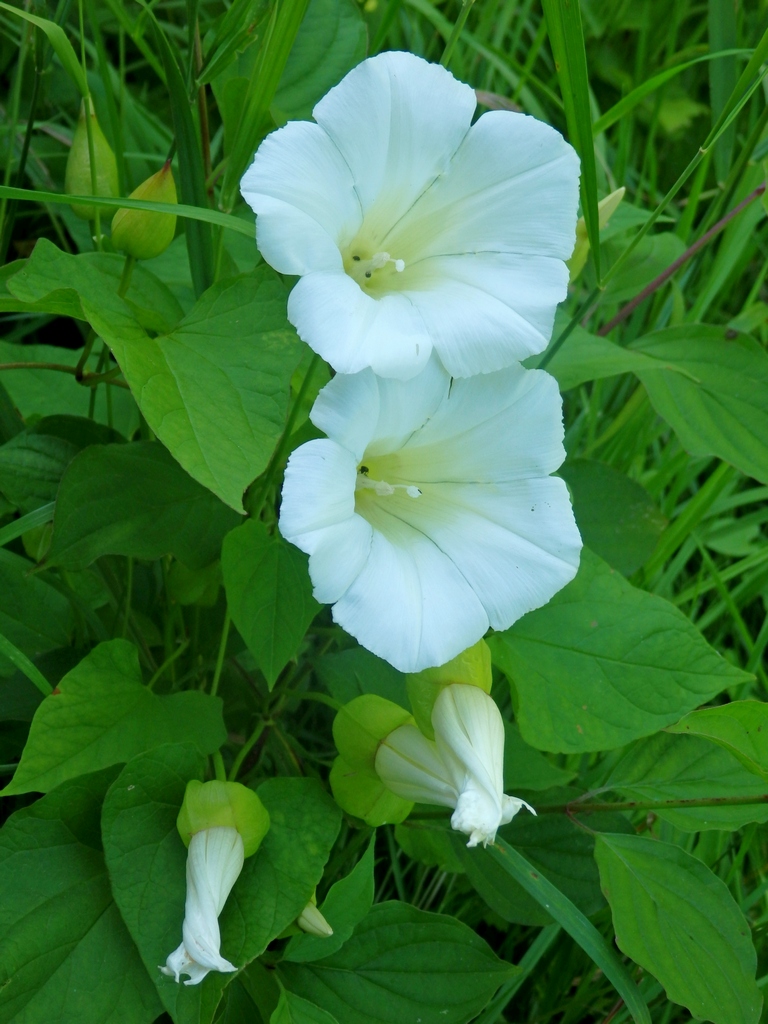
347 903
214 390
527 768
33 462
741 727
269 594
604 663
428 845
134 499
31 466
566 37
33 616
332 40
349 674
63 48
102 714
678 920
65 953
572 921
713 392
146 860
584 357
617 518
668 767
403 964
292 1009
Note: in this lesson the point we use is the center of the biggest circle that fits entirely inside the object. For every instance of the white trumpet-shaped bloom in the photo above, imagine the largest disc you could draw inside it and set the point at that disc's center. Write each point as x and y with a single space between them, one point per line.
214 862
411 227
429 514
462 768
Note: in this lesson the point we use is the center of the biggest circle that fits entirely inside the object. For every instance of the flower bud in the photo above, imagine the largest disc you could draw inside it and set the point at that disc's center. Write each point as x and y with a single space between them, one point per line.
142 233
77 178
472 667
312 921
221 823
605 210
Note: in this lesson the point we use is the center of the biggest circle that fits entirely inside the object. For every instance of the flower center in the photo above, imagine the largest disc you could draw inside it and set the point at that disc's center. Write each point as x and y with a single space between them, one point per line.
381 487
371 270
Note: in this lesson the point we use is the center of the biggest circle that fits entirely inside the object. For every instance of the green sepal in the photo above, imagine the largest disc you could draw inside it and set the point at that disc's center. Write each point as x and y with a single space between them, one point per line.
472 667
223 805
360 726
362 794
358 729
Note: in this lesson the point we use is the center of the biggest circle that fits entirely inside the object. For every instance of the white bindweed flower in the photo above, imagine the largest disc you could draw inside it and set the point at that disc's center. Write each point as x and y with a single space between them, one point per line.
412 228
429 513
462 769
214 862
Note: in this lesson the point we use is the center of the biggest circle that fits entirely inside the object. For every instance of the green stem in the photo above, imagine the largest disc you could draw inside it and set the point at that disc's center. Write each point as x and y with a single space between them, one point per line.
87 349
277 456
457 30
651 805
222 652
246 748
125 277
168 662
89 133
218 766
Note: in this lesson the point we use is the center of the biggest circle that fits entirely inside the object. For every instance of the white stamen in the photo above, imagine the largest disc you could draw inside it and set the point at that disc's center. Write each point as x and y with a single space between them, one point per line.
379 260
383 489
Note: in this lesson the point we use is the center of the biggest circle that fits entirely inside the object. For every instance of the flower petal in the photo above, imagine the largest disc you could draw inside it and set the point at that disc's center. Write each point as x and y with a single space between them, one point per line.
513 186
347 410
469 734
406 406
337 556
319 490
302 192
516 544
410 604
486 310
214 862
397 121
492 428
352 330
409 764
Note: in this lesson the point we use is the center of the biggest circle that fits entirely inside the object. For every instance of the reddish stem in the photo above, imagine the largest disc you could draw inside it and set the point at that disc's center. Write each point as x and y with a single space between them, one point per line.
657 282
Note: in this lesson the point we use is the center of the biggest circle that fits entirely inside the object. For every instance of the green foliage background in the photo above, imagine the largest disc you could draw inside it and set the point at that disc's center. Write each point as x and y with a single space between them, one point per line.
144 427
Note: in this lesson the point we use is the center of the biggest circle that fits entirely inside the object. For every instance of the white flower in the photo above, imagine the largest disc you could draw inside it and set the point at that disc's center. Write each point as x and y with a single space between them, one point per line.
410 229
214 861
429 513
463 768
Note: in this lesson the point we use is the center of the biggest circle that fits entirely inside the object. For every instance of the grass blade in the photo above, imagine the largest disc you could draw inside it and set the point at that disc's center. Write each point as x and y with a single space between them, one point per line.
61 45
39 517
191 171
722 76
193 213
254 119
566 37
23 664
574 922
